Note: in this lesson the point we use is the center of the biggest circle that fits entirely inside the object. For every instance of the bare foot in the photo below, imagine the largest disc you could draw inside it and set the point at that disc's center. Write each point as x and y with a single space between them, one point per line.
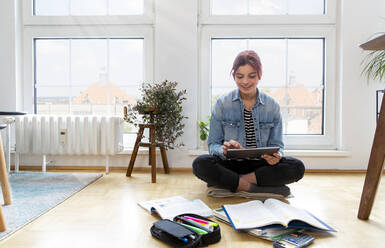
250 178
243 185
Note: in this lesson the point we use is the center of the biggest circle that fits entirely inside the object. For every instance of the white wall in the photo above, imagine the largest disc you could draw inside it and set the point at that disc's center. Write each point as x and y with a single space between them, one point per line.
7 56
176 56
176 59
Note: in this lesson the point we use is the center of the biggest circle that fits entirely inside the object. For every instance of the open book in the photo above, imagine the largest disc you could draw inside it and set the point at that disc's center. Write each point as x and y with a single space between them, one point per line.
258 214
168 208
271 234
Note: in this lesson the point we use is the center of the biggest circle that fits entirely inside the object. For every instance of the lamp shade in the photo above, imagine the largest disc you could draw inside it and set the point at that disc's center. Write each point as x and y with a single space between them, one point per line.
375 44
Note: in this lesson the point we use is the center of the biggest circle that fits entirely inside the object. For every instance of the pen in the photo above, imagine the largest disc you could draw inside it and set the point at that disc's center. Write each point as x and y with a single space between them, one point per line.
201 221
197 224
184 240
193 223
195 229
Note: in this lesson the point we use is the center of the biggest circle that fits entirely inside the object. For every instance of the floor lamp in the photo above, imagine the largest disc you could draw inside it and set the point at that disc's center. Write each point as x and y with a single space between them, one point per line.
377 154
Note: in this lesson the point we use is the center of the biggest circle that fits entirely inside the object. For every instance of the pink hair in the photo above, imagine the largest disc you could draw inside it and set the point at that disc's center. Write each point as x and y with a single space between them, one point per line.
248 57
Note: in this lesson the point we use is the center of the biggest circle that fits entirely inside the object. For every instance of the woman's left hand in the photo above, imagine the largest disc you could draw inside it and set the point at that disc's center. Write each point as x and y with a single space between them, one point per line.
272 160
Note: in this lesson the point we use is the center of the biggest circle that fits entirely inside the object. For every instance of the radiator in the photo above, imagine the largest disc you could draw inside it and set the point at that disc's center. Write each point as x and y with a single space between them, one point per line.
68 135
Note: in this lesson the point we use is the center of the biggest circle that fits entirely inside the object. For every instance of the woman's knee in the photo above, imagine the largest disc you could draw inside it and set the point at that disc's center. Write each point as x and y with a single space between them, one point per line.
297 166
300 167
201 164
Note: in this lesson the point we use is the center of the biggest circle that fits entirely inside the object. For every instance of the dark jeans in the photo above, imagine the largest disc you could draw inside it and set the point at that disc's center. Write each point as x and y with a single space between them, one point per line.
225 173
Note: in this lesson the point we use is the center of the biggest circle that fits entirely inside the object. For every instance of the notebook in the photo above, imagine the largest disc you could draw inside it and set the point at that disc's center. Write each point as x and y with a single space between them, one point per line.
168 208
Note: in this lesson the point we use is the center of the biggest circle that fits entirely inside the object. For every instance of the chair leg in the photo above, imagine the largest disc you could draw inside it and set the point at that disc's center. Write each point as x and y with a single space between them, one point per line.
153 154
3 226
150 156
135 152
164 159
4 177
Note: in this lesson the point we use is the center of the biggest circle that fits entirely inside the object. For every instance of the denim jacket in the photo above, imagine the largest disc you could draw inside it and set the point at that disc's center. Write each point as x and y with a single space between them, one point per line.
227 122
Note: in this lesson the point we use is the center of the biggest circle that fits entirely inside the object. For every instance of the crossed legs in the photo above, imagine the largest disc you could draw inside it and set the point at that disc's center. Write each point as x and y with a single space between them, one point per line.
241 175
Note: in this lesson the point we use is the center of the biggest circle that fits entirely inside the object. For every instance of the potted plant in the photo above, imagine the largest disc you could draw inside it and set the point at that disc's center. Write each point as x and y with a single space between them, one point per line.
374 64
166 102
204 128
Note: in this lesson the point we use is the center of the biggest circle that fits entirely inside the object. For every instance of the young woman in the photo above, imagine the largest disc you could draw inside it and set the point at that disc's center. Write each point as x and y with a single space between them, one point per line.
246 117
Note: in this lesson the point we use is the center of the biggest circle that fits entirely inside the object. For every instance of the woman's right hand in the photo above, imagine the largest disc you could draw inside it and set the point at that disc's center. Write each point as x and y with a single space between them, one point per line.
232 144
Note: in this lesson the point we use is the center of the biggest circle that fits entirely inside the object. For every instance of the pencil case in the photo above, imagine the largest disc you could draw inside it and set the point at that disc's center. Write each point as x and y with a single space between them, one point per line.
206 239
175 234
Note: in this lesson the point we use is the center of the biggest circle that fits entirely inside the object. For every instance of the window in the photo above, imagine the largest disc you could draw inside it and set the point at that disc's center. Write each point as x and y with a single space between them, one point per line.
298 62
87 76
267 7
85 57
87 12
87 7
292 74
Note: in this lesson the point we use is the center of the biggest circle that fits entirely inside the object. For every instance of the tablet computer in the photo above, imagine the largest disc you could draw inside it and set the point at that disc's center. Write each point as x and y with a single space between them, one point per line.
250 153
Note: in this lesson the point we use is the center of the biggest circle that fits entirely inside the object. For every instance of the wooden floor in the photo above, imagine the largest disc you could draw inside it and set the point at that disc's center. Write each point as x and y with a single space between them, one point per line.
106 214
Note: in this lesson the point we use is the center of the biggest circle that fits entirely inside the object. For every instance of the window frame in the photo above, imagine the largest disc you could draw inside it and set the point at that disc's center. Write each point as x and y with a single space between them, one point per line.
146 18
325 141
30 33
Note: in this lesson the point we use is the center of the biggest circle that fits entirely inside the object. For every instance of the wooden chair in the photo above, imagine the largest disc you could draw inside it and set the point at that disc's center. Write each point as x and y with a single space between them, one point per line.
4 182
151 145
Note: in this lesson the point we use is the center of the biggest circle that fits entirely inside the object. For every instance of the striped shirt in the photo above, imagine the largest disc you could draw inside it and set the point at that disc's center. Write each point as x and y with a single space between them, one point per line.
249 128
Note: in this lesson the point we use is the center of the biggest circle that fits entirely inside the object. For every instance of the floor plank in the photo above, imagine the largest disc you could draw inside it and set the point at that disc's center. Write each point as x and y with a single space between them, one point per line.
106 214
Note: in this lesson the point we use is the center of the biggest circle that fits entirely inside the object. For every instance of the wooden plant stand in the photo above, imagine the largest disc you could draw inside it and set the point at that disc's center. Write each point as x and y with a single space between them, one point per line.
375 167
152 148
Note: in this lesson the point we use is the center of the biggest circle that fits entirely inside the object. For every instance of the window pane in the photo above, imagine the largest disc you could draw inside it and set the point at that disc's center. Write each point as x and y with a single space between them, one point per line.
88 61
124 7
267 7
229 7
88 7
305 60
306 7
52 62
270 7
126 61
52 7
53 100
102 75
292 74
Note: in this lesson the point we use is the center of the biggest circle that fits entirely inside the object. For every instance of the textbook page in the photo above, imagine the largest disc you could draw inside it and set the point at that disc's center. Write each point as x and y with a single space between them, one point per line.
168 208
250 214
194 207
149 205
289 213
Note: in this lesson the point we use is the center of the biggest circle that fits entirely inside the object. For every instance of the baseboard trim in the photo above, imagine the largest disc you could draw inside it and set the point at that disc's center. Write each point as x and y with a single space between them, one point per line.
148 169
95 168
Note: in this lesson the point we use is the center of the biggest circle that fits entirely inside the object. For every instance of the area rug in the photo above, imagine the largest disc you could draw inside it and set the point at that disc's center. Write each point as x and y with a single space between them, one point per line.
34 193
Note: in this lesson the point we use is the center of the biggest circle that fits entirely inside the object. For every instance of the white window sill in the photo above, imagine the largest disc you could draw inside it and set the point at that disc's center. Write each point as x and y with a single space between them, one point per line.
295 153
141 151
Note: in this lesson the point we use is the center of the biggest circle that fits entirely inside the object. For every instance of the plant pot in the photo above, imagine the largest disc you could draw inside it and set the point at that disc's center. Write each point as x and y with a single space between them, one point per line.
203 145
147 110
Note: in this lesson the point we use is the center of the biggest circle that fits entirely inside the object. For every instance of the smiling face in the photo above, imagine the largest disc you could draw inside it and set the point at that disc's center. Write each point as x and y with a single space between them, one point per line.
247 79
